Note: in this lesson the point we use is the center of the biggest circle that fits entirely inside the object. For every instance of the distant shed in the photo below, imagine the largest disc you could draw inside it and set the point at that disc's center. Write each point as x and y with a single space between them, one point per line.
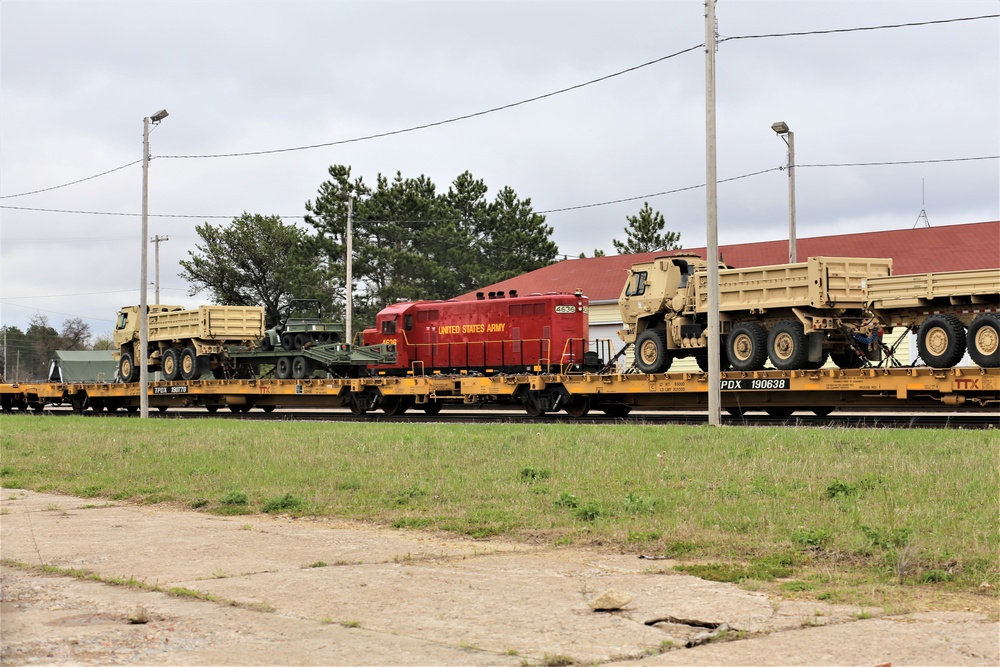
83 366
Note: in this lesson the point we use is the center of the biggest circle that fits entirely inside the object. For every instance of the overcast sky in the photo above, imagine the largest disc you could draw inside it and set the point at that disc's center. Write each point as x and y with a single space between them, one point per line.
77 78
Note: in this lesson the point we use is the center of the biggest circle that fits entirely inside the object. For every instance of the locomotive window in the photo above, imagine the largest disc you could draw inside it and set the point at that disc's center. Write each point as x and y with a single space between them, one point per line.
515 310
637 285
408 322
539 309
389 327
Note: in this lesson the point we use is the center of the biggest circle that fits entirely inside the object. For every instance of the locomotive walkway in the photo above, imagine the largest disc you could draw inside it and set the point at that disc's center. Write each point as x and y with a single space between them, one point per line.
196 589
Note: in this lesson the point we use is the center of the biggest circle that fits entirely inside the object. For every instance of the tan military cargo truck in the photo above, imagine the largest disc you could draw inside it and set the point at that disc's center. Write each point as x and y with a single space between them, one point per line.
796 315
949 311
184 344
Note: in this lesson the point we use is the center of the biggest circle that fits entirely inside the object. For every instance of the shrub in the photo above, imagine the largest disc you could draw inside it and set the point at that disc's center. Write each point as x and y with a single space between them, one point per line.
287 502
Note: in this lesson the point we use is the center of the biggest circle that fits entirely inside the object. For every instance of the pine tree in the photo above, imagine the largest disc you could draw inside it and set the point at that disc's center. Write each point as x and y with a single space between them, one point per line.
645 233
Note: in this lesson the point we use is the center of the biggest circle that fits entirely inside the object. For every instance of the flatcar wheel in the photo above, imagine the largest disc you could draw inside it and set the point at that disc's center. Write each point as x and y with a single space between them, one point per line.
531 405
735 412
984 340
787 346
823 411
394 405
617 410
357 406
212 408
941 341
267 408
747 346
578 406
780 412
432 407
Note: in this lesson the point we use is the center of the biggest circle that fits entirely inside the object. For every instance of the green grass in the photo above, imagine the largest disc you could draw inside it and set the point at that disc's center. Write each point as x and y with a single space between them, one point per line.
890 507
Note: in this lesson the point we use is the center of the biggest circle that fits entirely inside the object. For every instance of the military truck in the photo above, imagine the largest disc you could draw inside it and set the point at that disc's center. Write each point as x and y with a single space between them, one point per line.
301 326
184 344
797 315
949 311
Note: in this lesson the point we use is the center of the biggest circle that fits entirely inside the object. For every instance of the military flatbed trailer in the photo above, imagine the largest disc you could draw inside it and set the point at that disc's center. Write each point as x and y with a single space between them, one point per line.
776 392
339 359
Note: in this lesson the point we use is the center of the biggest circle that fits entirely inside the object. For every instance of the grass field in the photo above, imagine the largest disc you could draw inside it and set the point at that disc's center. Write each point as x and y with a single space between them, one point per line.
845 515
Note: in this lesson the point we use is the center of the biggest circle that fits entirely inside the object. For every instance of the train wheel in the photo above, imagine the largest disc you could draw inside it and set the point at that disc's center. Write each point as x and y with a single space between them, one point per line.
618 410
127 369
823 411
432 407
283 368
358 406
651 354
941 341
531 405
780 412
578 406
267 408
747 346
395 405
212 408
736 412
984 340
171 365
787 346
302 368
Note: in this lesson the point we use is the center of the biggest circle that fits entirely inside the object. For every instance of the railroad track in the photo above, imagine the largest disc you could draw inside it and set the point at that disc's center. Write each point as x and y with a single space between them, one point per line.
853 419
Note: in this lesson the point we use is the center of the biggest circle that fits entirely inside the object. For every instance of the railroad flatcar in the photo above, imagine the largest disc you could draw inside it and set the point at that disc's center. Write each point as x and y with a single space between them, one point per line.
496 333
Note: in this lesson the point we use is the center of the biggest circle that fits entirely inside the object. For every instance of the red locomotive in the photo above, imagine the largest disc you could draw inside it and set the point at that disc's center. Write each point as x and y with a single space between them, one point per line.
496 333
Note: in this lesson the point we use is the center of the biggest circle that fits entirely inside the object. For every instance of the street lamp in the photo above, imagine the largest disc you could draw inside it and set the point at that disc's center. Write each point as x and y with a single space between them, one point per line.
781 129
143 271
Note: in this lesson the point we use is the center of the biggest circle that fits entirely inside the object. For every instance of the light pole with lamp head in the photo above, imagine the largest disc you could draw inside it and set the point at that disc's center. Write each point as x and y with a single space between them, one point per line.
781 129
143 359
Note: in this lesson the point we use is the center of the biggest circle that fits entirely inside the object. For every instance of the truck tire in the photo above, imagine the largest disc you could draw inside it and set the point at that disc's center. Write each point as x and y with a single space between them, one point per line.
283 368
171 365
127 369
288 341
190 369
702 359
984 340
302 368
941 341
302 340
747 346
787 346
651 354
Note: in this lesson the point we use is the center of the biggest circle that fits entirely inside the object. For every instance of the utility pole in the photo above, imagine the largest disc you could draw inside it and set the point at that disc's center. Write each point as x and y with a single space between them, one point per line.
157 240
712 223
143 357
349 263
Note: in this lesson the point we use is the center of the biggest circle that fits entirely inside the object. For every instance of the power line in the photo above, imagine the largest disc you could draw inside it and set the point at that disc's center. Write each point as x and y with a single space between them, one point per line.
80 180
440 122
514 104
861 29
554 210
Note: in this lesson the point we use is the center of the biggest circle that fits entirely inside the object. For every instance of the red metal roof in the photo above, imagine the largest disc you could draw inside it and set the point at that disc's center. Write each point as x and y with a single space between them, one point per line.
948 248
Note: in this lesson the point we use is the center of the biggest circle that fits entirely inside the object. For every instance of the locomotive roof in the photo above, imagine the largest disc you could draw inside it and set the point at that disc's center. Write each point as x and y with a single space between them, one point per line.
919 250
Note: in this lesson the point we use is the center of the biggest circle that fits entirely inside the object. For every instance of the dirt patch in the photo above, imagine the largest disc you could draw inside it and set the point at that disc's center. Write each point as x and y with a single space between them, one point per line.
195 589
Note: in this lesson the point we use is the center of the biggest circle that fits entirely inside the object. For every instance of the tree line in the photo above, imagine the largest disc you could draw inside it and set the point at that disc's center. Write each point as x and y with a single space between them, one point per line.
411 241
